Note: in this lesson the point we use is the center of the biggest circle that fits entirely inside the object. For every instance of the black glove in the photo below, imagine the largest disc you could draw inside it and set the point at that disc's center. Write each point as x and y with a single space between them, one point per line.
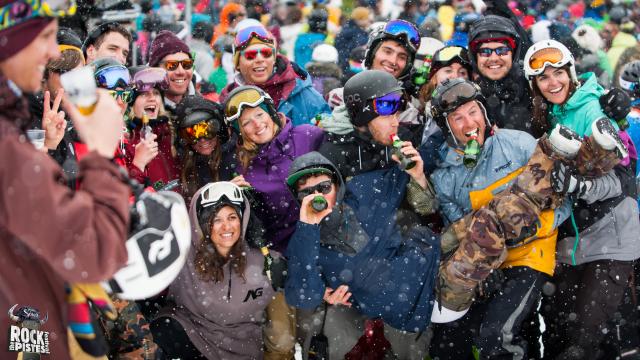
278 273
566 180
616 104
492 283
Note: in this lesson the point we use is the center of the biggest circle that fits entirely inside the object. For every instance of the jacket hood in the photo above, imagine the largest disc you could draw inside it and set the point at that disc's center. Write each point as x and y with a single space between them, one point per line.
315 160
339 122
587 92
323 69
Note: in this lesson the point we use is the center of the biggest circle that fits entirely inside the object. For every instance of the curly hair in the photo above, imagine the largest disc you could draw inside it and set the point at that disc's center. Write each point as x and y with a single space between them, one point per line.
209 262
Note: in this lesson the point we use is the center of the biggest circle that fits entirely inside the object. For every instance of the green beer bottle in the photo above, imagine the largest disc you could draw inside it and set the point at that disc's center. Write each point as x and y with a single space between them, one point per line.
471 153
405 163
319 203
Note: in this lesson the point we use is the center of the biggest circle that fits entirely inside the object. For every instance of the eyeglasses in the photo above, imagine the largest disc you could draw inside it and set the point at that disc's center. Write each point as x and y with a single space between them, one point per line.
403 28
543 57
251 54
147 79
172 65
112 77
124 95
388 104
500 51
250 97
323 187
244 36
19 11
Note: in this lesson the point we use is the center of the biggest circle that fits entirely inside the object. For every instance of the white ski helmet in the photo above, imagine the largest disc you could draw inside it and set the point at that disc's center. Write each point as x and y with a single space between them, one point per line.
325 53
157 246
428 46
548 53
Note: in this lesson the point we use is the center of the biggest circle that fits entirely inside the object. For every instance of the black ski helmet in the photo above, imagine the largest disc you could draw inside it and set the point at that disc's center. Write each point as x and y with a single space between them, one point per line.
318 21
194 109
489 28
378 36
363 87
630 78
452 94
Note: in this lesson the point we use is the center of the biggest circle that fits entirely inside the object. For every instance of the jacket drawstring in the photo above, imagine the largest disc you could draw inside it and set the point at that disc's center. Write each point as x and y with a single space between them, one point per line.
229 289
359 157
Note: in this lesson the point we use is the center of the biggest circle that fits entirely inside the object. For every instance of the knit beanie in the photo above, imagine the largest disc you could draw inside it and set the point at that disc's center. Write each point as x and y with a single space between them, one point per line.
18 36
236 52
166 43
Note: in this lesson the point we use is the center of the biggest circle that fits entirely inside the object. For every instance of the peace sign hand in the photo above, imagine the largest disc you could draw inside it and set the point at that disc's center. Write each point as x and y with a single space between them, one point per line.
53 121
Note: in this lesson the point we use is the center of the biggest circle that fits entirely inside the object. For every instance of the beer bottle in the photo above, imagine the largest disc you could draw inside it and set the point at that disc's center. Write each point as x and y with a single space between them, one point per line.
319 203
471 153
146 131
405 163
268 261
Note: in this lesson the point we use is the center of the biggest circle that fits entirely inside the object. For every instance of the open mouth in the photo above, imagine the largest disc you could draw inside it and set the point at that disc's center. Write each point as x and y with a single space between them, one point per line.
494 66
150 110
179 81
228 235
261 131
260 70
472 133
556 90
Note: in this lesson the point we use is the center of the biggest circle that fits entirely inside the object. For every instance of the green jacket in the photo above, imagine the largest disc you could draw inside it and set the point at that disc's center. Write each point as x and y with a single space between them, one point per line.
582 108
620 43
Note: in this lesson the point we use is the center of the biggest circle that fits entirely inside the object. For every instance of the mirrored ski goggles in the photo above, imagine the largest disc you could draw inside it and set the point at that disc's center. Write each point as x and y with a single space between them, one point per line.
500 51
23 10
244 36
323 187
201 130
148 79
249 97
388 104
113 77
172 65
405 28
124 95
455 96
251 54
450 53
214 193
543 57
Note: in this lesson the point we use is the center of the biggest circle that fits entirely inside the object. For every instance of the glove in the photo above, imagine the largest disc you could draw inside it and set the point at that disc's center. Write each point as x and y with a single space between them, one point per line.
566 180
492 283
616 104
278 273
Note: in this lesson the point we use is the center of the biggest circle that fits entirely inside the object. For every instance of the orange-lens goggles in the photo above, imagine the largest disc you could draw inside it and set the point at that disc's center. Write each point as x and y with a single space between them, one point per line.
541 57
201 130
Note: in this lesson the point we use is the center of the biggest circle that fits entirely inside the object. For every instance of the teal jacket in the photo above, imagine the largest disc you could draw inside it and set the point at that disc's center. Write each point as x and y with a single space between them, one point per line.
582 108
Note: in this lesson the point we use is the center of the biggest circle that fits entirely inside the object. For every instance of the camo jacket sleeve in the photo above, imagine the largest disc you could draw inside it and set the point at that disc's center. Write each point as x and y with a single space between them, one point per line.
423 201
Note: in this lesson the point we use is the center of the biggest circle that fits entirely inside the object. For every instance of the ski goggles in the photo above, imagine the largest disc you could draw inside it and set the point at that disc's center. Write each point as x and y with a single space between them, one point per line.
251 54
455 96
23 10
244 36
388 104
113 77
150 78
205 126
543 57
323 187
249 97
172 65
500 51
449 54
222 191
124 95
398 28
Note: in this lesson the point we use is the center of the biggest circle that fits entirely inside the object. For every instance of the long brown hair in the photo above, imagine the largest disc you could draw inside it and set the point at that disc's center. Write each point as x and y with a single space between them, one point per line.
247 149
540 123
424 95
209 262
189 174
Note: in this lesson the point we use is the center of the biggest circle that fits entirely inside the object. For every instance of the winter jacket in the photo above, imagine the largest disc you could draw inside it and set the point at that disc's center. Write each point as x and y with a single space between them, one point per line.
203 58
223 320
350 37
461 190
390 275
324 77
606 220
50 234
620 43
163 167
267 173
304 47
291 89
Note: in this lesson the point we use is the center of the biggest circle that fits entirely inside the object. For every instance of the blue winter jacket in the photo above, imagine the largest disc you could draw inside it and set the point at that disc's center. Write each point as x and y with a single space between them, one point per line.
390 275
304 103
304 47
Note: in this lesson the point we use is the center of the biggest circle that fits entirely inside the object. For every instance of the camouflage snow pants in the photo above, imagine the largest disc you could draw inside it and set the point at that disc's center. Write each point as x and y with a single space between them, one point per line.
484 235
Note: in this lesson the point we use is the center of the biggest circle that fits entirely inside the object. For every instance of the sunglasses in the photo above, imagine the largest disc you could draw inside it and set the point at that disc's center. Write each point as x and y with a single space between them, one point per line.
172 65
547 56
397 28
19 11
113 77
388 104
251 54
324 187
500 51
124 95
244 36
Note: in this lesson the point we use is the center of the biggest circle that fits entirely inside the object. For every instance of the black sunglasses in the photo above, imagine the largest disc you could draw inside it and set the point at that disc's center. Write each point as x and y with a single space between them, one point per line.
322 187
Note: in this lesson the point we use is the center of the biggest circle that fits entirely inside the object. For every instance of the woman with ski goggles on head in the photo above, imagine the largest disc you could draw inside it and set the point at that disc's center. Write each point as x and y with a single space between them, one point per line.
149 154
257 63
605 214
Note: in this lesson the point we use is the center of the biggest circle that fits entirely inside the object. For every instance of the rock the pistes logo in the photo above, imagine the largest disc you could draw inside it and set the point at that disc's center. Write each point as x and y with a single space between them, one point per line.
25 336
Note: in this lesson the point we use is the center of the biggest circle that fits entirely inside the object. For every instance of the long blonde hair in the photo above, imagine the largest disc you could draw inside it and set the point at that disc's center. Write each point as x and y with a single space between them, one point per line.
246 148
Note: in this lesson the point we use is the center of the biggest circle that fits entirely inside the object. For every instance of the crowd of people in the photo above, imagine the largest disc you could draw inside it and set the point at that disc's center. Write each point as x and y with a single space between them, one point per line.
440 179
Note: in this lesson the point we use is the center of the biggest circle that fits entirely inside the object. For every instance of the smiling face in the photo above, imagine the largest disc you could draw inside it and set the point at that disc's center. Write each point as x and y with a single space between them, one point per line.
467 122
494 67
452 71
205 146
554 84
256 125
258 70
26 68
390 57
179 78
147 103
225 229
383 127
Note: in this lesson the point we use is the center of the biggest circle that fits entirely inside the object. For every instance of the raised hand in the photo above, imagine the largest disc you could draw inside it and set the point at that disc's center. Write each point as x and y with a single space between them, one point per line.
53 121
